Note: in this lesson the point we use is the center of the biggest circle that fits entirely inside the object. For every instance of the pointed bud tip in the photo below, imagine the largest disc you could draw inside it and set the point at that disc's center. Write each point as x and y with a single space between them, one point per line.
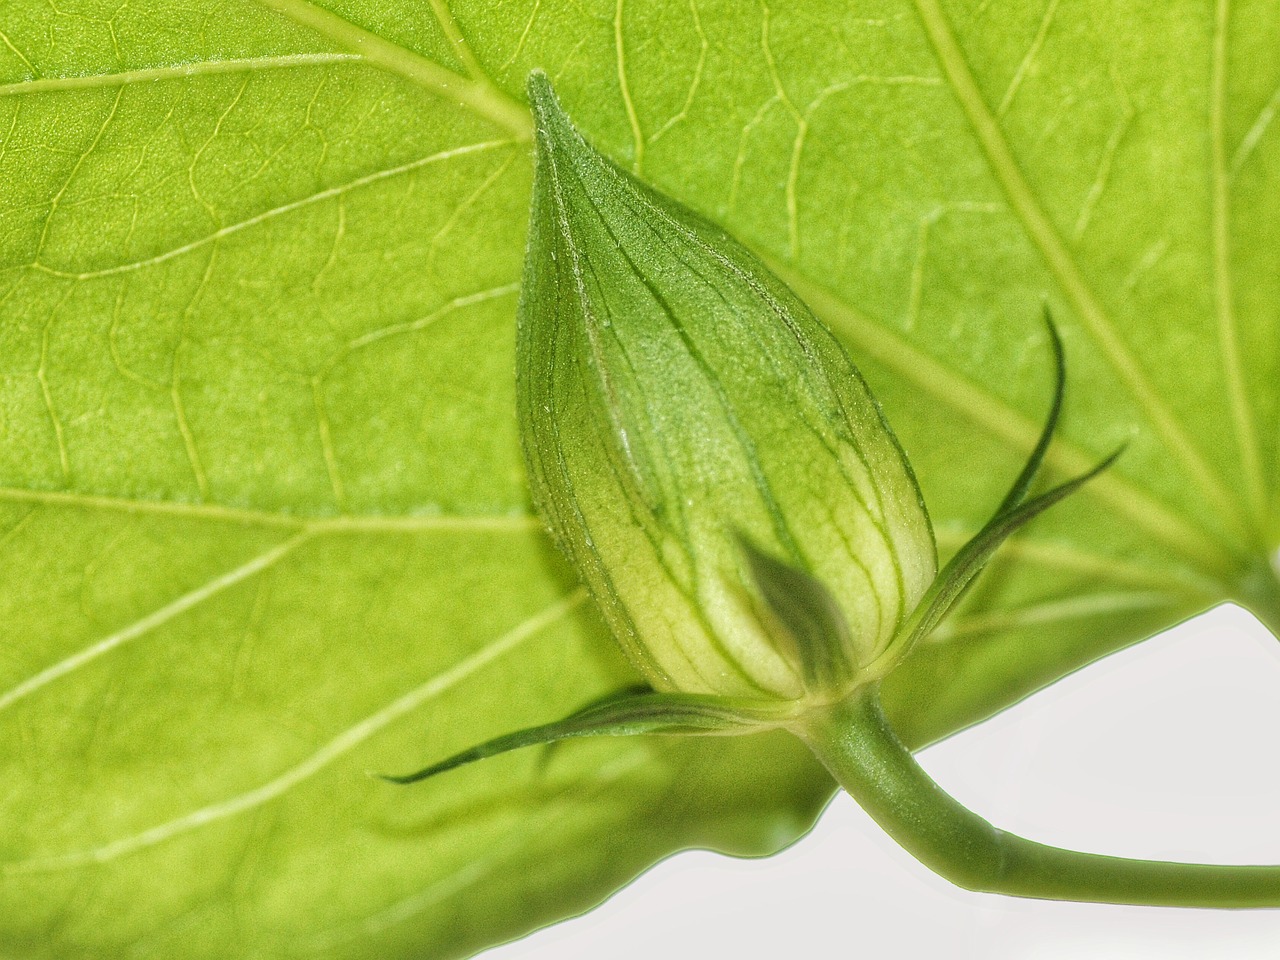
547 112
538 86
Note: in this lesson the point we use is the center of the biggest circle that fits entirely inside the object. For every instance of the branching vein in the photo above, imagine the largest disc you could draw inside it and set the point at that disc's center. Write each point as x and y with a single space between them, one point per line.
333 750
444 16
1032 53
320 197
1224 295
369 523
151 621
633 118
479 95
1051 612
1061 263
177 72
703 46
797 145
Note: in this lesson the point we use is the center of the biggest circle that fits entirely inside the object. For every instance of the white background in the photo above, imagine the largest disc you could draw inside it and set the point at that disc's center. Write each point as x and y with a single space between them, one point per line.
1168 750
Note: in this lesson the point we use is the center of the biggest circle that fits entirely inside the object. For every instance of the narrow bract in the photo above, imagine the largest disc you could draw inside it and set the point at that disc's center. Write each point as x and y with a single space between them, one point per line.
677 401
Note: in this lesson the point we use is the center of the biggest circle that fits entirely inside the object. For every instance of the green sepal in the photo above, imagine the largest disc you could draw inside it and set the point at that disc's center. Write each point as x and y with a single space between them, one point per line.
814 632
1018 490
622 715
1022 483
973 556
960 573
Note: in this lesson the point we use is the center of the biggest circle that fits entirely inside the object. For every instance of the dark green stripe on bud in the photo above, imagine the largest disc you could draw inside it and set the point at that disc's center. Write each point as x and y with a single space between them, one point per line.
809 628
676 400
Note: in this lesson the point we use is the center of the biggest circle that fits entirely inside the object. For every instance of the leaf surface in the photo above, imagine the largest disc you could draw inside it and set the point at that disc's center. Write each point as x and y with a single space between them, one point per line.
263 522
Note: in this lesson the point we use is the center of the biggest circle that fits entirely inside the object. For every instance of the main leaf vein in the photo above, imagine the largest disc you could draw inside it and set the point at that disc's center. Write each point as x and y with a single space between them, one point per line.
1224 294
1041 231
177 72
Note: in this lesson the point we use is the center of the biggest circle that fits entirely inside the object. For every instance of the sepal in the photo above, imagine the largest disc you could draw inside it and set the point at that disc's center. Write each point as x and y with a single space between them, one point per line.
810 628
622 715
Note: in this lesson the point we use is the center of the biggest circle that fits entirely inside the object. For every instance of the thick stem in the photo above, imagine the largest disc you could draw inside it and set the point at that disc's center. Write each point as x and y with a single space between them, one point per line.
856 744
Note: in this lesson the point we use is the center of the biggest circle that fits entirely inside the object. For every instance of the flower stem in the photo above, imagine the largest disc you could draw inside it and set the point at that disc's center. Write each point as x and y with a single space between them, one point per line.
863 753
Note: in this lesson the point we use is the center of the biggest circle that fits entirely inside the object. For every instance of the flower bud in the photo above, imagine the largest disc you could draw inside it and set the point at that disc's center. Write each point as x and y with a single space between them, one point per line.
691 428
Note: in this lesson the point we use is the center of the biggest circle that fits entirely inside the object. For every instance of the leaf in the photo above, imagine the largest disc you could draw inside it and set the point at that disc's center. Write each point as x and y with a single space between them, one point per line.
264 520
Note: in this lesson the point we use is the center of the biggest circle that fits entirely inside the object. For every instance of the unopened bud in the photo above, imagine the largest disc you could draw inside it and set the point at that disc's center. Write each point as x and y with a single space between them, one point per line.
690 429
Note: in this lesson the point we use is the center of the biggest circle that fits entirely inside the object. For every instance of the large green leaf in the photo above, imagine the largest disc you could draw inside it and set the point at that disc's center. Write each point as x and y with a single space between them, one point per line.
264 520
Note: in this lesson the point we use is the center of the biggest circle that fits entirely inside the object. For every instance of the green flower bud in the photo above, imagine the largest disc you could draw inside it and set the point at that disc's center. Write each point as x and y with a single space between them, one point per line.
702 448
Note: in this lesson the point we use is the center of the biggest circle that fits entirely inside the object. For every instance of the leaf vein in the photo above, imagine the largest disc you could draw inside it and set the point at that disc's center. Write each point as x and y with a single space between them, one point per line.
1041 231
480 96
1256 132
1065 557
256 219
246 516
175 387
333 750
633 118
915 295
1051 612
151 621
1224 294
444 17
46 393
797 145
1024 66
326 444
703 46
178 72
524 37
1099 185
422 323
740 159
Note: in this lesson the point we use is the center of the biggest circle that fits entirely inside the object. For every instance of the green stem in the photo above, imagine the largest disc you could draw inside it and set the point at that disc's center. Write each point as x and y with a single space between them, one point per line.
857 745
